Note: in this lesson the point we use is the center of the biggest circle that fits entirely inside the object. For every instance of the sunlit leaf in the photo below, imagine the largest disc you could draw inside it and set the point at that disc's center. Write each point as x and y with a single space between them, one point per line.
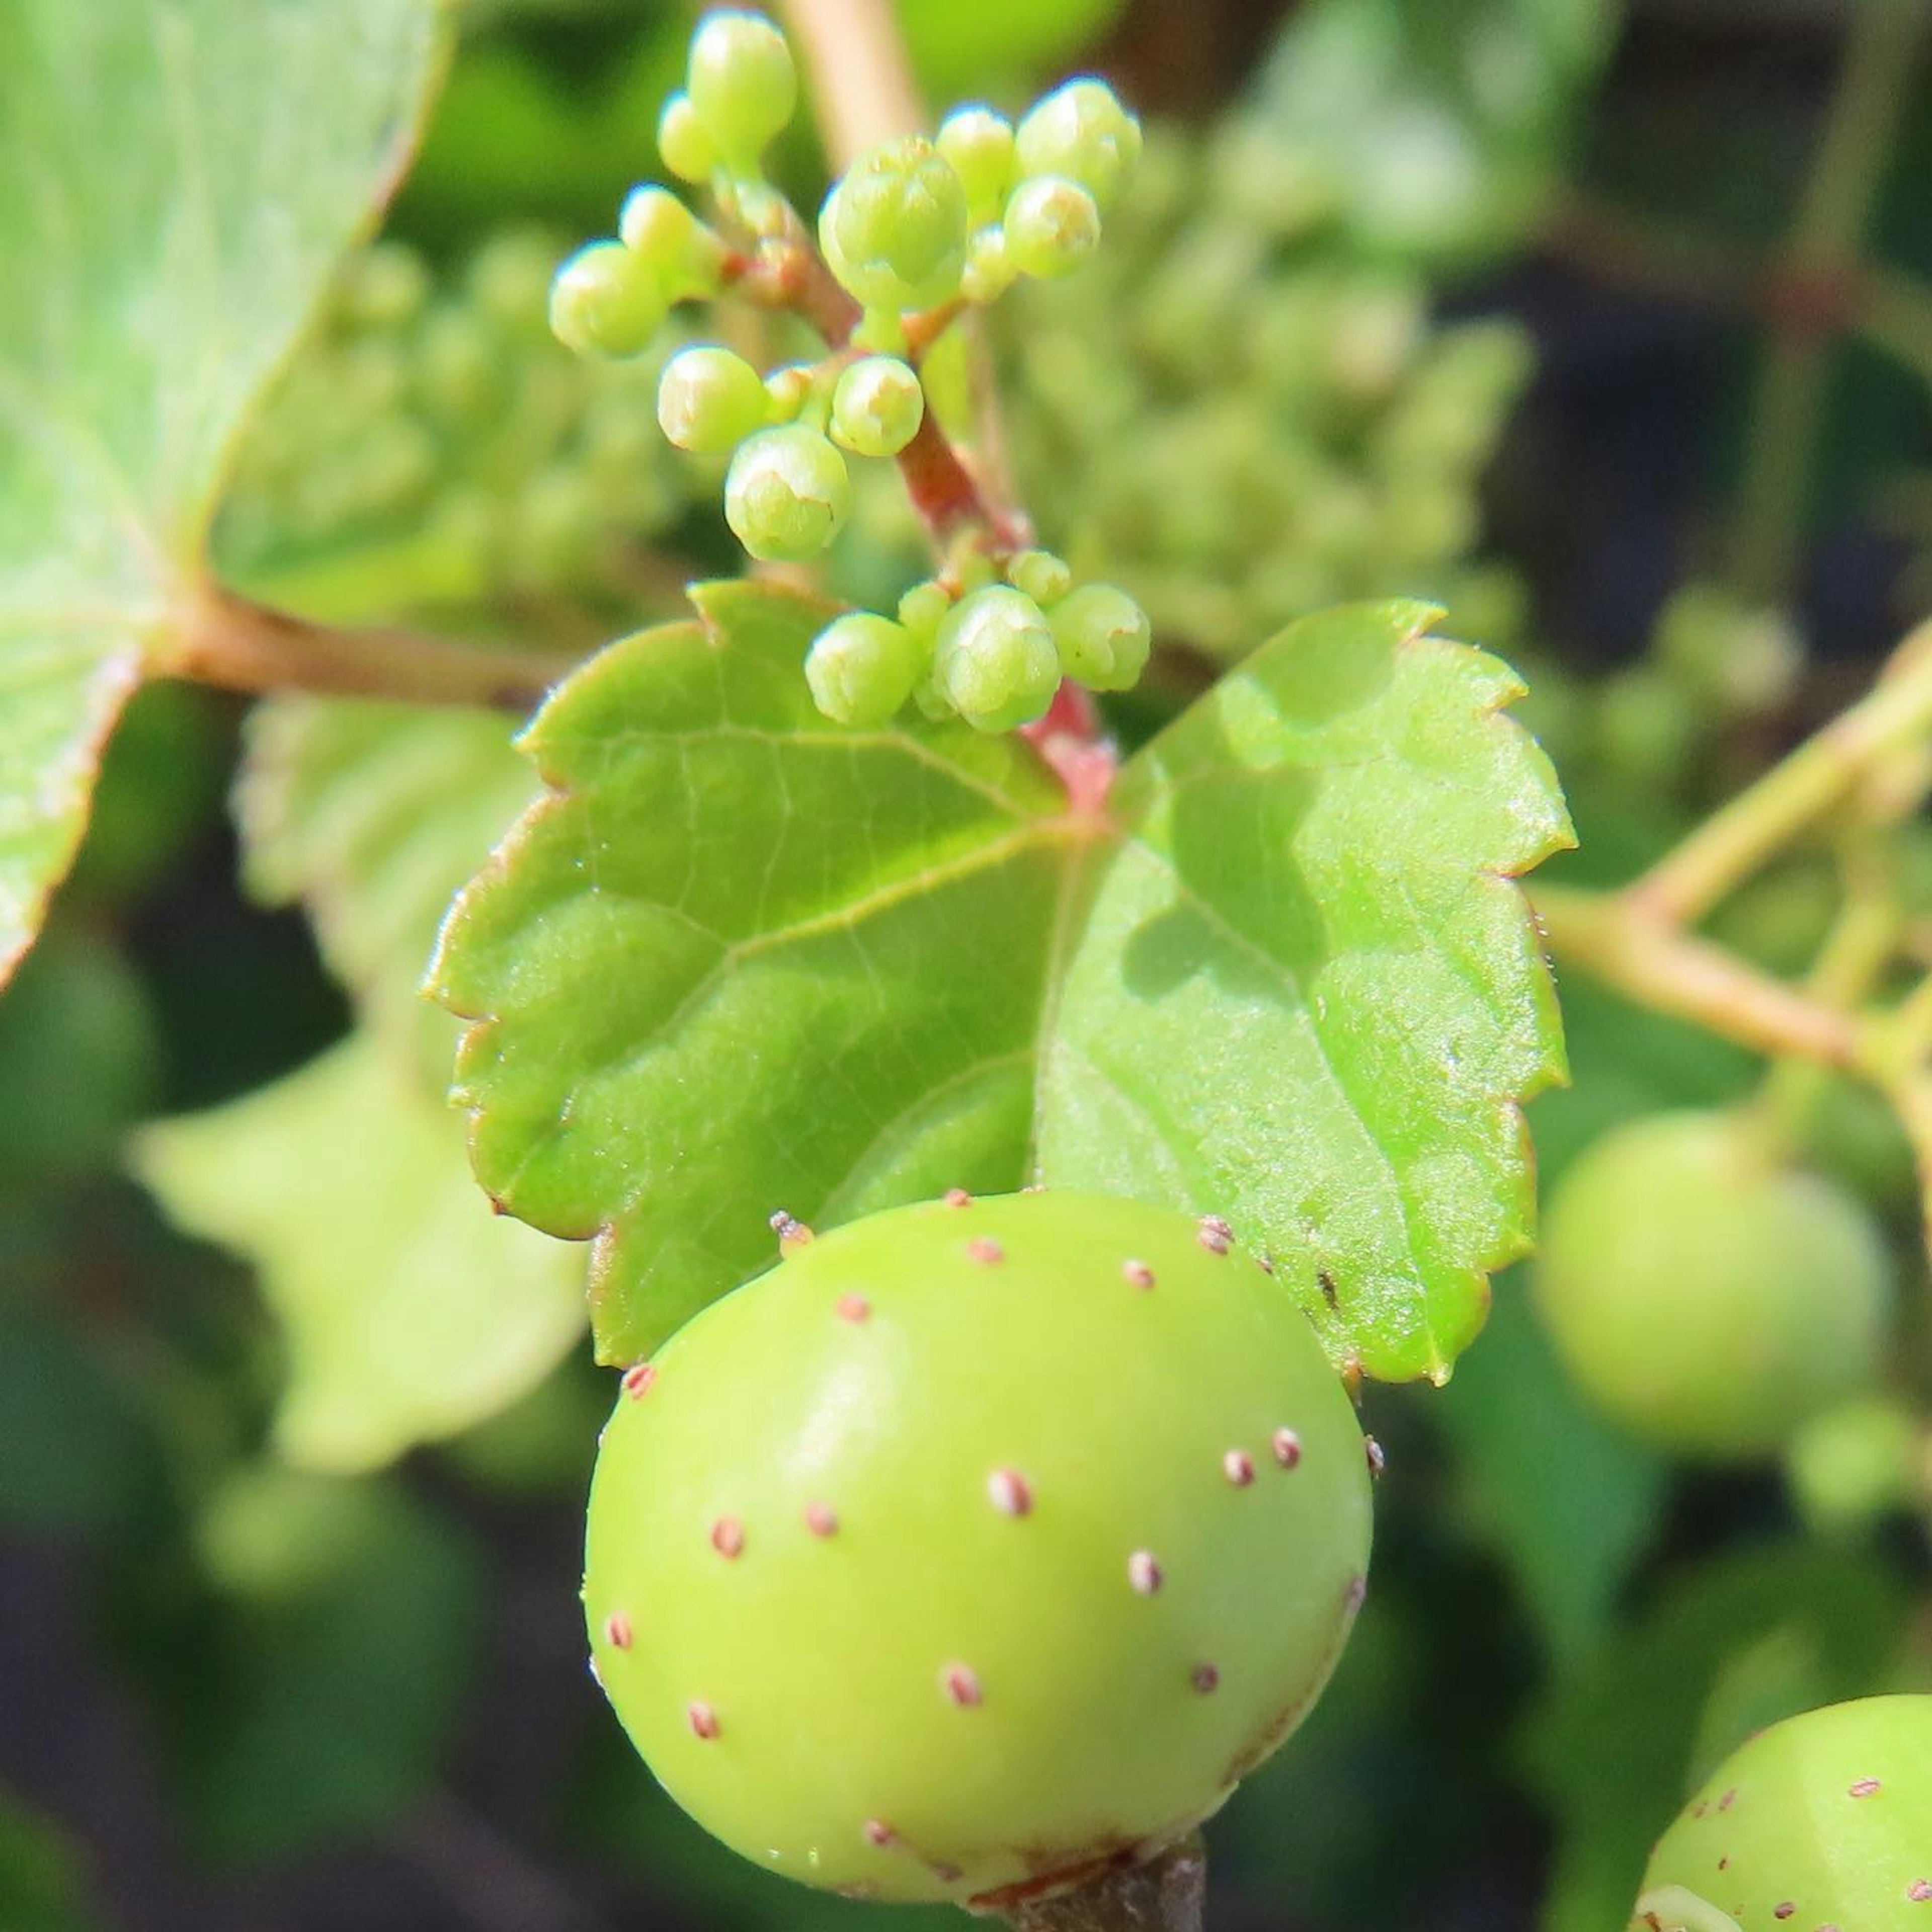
168 223
742 960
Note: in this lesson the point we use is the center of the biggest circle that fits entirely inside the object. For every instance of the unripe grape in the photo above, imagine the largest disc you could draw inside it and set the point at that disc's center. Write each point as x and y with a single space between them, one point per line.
682 253
861 668
788 389
975 1544
994 660
1103 635
923 609
741 82
710 399
878 406
685 143
1822 1821
1052 224
894 229
1042 576
1702 1294
990 269
1081 130
788 494
605 302
978 144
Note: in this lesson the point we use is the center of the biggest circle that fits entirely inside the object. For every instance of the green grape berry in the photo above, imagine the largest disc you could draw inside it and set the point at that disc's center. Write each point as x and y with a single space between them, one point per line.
1042 576
742 83
685 143
1103 635
990 269
1822 1821
894 229
978 144
995 661
878 406
1704 1294
976 1543
605 302
923 609
710 399
861 668
787 493
680 249
1081 131
1051 226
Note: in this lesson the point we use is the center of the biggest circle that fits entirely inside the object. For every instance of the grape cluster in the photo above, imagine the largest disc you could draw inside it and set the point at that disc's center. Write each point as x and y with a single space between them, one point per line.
1327 444
913 232
430 449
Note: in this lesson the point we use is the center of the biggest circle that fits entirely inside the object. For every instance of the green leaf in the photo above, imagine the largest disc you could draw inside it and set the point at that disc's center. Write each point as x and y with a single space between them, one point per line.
1738 1644
1432 129
181 175
42 1879
1308 994
742 960
410 1310
372 815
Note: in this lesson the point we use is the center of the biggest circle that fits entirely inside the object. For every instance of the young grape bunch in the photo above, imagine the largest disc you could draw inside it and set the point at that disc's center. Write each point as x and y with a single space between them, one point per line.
915 232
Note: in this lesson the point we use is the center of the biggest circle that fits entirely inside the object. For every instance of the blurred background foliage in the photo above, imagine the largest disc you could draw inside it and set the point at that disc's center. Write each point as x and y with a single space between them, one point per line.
1465 298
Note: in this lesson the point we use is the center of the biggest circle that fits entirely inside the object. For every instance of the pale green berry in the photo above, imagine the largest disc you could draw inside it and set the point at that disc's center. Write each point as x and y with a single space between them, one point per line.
605 302
1822 1820
861 668
741 82
894 229
995 660
1042 576
787 390
978 144
685 143
923 609
1052 224
1081 130
788 494
990 270
1104 637
1704 1294
710 399
975 1541
683 252
878 406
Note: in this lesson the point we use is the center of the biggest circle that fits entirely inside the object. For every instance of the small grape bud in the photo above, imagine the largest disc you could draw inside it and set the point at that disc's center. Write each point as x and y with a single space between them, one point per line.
1081 130
861 669
685 143
978 144
787 493
994 659
1041 575
605 302
894 229
680 250
923 609
1052 224
878 406
710 399
990 269
1103 635
742 83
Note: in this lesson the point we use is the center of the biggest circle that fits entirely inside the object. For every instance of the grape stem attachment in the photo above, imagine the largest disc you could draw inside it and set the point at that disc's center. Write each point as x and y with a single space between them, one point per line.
1166 1893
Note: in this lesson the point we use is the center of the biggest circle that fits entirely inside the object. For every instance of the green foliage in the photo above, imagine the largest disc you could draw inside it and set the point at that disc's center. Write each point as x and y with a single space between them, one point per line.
990 1463
180 219
409 1309
42 1884
751 1015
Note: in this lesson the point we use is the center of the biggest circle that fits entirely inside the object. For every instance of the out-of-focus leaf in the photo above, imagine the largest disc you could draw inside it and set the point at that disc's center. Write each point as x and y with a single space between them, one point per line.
1431 129
742 960
327 1677
1566 1502
410 1310
1619 1749
958 50
372 815
1308 994
173 220
78 1059
43 1887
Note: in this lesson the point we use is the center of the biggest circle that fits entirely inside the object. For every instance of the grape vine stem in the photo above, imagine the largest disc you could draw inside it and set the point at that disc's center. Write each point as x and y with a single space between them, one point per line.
1166 1893
216 636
